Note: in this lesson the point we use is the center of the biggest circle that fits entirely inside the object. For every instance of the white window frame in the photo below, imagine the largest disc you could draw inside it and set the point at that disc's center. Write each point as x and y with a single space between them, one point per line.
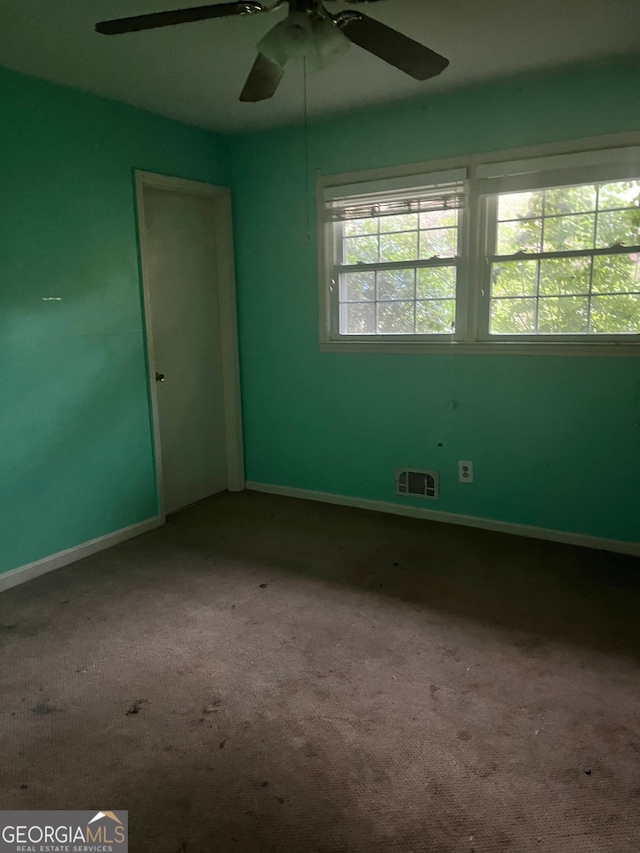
426 182
613 157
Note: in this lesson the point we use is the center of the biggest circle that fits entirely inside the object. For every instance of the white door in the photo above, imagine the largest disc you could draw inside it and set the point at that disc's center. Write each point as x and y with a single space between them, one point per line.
179 257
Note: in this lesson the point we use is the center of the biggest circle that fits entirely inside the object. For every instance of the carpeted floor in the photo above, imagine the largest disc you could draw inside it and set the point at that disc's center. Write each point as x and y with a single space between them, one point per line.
265 674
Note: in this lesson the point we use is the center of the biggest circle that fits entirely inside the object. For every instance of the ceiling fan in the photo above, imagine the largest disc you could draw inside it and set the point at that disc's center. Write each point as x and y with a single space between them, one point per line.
308 31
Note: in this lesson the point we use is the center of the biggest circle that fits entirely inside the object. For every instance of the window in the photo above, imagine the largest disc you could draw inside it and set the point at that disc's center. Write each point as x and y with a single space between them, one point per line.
566 260
394 265
484 255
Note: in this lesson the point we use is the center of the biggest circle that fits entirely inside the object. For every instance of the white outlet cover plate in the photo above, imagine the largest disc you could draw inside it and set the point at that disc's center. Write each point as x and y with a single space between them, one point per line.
465 471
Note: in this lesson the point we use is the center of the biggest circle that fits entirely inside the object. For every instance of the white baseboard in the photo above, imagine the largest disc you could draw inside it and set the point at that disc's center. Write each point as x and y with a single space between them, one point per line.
40 567
617 545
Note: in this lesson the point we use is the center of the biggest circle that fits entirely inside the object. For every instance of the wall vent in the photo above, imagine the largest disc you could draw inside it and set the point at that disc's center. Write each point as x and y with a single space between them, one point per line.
418 483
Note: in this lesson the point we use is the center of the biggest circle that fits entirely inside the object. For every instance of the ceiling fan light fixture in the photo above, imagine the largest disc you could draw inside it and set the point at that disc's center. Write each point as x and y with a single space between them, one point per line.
318 40
289 39
329 44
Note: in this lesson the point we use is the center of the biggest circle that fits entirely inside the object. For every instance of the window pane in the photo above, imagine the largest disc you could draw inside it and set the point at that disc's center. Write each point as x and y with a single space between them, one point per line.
570 200
353 227
520 205
616 273
440 242
619 226
436 281
513 316
615 314
565 275
404 222
619 194
360 250
439 219
357 286
399 247
519 236
358 319
435 317
563 316
395 284
514 278
569 232
395 318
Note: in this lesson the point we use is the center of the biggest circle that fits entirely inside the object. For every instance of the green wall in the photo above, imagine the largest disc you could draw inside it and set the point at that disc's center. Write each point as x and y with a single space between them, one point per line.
555 441
75 438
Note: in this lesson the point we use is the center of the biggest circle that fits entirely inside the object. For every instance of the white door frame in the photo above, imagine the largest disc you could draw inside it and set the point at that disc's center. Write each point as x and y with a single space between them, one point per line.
227 313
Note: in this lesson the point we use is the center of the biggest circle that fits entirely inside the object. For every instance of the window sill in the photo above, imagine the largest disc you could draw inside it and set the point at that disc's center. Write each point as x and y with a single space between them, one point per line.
561 348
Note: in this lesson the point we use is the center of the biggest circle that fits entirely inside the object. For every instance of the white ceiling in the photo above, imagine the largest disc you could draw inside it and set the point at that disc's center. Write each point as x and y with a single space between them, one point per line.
194 72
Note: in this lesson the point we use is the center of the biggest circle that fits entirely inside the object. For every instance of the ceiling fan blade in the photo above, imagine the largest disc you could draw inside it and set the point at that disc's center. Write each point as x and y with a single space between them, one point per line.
176 16
386 43
263 80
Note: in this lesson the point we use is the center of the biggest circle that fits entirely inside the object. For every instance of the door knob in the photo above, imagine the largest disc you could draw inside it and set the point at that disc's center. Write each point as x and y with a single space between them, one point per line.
160 377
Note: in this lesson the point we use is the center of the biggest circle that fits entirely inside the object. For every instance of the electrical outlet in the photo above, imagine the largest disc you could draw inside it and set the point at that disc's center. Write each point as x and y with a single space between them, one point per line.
465 471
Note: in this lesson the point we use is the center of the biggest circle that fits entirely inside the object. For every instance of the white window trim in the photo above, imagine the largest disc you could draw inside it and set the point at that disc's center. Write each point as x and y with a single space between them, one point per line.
376 188
488 173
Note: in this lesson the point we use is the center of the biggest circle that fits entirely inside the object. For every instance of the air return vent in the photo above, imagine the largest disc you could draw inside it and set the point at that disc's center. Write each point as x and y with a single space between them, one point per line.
418 483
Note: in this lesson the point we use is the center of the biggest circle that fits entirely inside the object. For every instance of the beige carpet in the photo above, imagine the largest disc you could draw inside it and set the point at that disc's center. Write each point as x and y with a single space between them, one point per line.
265 674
